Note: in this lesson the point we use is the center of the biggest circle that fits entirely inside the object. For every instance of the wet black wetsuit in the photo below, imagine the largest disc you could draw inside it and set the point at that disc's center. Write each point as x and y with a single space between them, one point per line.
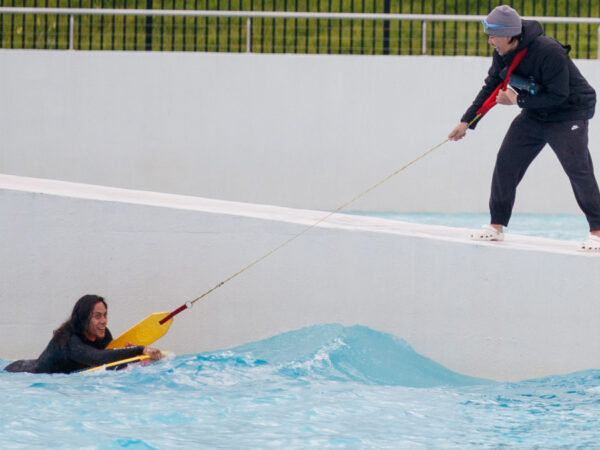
78 353
557 116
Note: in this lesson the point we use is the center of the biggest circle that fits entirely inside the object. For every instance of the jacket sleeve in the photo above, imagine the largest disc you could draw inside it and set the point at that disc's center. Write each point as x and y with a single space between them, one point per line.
86 354
491 82
554 77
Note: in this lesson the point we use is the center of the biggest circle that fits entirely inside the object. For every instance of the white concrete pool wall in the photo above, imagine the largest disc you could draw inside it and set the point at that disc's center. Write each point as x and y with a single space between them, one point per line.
523 308
306 131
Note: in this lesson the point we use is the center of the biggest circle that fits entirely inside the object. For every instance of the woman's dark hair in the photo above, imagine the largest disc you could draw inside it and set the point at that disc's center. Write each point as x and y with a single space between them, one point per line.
79 319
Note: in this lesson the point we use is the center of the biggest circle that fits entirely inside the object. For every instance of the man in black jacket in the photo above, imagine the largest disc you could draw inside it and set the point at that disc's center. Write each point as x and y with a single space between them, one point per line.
556 112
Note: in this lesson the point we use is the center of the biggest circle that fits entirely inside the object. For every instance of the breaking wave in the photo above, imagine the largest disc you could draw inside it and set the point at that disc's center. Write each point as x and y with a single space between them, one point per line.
355 353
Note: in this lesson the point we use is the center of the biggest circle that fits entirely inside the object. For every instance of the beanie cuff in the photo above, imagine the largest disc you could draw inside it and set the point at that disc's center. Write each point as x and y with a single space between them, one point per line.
502 31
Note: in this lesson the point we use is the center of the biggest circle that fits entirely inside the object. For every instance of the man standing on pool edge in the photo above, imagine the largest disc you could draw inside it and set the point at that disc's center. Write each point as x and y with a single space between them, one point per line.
556 115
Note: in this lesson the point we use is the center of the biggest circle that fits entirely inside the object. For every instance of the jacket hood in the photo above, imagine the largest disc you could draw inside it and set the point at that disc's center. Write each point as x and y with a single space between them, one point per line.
531 30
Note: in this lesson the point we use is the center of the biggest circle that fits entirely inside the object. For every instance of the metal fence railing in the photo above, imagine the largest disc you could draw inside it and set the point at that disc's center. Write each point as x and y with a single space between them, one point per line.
269 31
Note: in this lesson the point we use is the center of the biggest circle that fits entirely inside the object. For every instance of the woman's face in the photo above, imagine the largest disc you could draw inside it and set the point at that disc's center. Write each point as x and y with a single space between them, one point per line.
96 328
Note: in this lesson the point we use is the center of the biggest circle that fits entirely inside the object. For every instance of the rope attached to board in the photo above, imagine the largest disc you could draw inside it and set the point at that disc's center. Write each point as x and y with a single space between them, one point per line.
307 229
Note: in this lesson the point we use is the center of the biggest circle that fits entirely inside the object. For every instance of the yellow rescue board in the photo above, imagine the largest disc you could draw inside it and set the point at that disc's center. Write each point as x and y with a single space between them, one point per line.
145 332
116 363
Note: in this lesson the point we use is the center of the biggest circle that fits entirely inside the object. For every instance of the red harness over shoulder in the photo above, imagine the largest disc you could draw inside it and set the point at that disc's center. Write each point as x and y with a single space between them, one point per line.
491 100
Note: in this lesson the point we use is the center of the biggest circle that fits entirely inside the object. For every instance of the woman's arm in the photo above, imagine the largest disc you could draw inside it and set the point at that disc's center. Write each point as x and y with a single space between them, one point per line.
86 354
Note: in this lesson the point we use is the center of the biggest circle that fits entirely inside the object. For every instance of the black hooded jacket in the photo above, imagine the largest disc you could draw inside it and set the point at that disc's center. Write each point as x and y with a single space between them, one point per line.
565 94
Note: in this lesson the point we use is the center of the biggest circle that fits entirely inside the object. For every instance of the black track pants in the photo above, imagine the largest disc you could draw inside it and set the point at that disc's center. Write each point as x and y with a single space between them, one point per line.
523 142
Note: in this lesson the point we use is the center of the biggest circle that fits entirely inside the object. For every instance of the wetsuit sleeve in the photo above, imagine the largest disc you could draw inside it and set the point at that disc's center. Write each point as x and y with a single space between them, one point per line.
86 354
492 81
554 79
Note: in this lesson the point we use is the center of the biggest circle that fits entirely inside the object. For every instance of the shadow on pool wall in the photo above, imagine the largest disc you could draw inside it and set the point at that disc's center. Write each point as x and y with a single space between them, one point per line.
525 308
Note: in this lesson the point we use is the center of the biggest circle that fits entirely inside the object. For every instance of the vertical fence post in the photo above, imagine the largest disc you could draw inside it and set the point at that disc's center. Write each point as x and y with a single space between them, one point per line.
149 19
386 29
249 35
71 31
424 38
598 56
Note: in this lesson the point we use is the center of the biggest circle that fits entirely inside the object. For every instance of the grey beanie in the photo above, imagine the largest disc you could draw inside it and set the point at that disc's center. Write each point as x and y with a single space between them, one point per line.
502 21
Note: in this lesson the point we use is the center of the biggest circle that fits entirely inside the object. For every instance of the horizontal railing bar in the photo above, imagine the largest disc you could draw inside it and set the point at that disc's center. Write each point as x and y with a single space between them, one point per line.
282 15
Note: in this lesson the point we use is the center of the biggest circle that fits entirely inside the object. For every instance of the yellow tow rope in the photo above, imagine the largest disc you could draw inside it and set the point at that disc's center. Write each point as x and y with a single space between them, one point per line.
308 228
157 324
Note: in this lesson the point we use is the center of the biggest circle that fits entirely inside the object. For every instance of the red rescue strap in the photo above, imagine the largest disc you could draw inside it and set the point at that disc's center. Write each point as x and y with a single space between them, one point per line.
491 100
174 313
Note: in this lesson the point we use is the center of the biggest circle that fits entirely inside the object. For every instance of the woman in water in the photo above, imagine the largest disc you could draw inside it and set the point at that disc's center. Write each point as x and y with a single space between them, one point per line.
80 342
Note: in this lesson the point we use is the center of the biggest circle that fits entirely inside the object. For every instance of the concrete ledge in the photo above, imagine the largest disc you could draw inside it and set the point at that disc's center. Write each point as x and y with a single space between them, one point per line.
523 308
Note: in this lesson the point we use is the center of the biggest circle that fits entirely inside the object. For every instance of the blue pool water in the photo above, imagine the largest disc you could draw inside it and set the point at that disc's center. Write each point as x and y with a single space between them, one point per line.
325 386
554 226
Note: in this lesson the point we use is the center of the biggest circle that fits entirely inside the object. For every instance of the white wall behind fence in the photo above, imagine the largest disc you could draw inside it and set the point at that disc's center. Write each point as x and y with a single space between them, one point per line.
304 131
